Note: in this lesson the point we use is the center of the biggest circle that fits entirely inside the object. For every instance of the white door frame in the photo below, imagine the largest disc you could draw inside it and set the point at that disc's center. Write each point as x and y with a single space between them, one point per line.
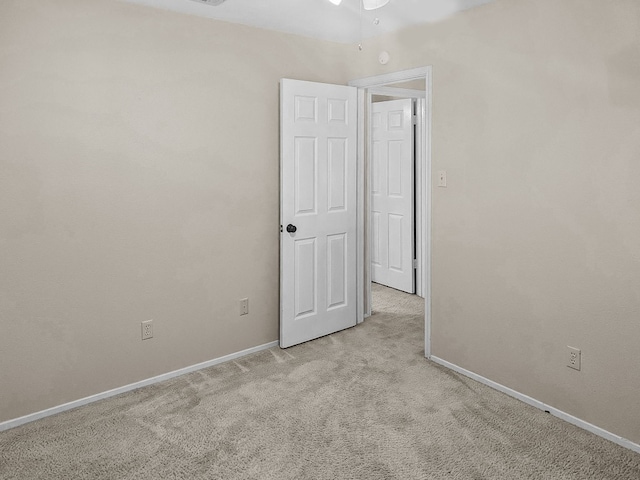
364 276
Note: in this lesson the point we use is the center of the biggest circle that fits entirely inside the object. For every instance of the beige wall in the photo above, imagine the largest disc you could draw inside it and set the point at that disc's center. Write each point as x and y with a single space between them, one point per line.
536 239
139 179
139 170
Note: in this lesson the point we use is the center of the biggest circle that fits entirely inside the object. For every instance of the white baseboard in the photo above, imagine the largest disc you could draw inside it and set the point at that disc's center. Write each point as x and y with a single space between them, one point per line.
542 406
132 386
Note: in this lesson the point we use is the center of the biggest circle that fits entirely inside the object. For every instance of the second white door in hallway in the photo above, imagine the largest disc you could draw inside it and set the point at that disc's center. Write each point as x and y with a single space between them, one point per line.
392 188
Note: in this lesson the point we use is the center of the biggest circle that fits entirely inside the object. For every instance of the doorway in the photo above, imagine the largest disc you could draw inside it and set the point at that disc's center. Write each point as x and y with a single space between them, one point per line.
414 84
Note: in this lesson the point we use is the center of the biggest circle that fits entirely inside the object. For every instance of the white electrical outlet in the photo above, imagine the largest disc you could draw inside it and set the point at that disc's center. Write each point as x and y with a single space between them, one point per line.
147 329
574 359
244 306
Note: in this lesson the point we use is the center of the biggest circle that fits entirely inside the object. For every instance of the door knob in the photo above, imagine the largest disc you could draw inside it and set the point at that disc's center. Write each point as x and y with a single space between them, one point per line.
291 228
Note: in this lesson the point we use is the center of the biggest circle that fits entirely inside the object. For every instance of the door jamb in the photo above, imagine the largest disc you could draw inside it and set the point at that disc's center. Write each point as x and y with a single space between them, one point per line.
363 84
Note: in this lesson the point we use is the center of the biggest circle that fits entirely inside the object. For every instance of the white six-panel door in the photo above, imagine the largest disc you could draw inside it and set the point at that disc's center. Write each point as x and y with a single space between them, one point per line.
318 134
392 188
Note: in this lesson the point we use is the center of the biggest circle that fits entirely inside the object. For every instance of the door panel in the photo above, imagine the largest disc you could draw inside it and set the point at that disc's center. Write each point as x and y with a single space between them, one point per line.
306 181
375 240
396 245
394 166
393 194
337 174
305 261
336 253
318 197
375 167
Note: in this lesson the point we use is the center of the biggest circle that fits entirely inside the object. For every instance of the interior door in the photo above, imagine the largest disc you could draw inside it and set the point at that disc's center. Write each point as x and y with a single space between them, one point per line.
318 135
392 188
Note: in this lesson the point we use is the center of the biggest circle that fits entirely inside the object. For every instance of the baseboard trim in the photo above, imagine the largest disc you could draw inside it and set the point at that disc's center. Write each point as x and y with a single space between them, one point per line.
16 422
542 406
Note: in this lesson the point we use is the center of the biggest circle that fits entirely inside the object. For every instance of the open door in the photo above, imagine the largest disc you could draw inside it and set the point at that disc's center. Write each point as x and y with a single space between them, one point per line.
318 135
392 193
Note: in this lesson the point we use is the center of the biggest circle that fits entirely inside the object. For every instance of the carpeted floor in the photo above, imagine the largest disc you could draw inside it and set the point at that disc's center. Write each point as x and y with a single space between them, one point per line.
359 404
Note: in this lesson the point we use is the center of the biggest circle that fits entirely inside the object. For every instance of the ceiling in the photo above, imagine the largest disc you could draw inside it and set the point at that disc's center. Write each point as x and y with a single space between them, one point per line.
319 18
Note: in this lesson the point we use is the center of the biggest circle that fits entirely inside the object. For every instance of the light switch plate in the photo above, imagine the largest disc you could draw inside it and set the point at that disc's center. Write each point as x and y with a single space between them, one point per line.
442 178
244 306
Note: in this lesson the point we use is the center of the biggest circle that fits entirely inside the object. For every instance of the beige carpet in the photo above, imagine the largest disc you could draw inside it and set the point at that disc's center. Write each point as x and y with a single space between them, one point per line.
359 404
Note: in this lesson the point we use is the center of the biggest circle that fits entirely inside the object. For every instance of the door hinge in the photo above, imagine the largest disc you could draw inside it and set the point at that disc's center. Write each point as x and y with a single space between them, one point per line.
415 263
414 119
280 228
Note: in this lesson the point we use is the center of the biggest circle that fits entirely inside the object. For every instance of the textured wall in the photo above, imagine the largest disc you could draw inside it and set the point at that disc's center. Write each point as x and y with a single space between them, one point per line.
139 173
536 119
139 179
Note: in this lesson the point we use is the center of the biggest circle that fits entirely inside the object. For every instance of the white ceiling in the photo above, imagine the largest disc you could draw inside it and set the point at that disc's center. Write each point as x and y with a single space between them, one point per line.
319 18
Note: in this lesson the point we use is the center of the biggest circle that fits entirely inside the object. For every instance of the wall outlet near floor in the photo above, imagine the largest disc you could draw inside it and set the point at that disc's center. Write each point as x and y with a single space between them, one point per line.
573 357
147 329
244 306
